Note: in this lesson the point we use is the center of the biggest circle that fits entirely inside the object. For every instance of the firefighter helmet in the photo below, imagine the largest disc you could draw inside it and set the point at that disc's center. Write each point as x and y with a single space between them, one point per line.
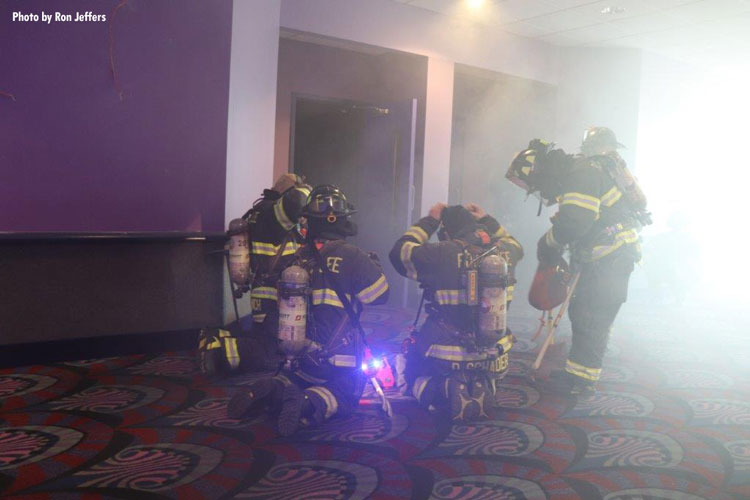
599 140
327 201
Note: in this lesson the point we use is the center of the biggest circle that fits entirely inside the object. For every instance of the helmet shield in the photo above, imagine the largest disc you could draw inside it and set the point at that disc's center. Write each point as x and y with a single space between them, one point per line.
327 200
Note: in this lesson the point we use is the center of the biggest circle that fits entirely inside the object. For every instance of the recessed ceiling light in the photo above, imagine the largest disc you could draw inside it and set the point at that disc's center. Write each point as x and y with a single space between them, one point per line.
475 4
613 9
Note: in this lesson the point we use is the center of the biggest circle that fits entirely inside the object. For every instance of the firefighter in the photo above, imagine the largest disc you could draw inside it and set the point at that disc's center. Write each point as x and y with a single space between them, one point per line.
453 361
321 376
272 225
601 211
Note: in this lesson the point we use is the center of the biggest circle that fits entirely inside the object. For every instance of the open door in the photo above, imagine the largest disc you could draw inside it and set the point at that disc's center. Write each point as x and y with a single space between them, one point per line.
368 151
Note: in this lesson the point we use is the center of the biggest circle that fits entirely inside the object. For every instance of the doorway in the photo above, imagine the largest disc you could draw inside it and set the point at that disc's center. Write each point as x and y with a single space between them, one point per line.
367 150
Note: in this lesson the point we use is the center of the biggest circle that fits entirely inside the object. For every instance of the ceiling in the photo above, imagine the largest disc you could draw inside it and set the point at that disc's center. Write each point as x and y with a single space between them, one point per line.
691 30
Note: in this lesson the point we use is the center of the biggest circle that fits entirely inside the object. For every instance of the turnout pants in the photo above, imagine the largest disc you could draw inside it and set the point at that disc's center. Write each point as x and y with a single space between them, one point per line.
601 291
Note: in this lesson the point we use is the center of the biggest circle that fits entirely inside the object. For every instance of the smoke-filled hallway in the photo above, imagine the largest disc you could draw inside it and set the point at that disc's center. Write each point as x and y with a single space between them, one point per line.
670 421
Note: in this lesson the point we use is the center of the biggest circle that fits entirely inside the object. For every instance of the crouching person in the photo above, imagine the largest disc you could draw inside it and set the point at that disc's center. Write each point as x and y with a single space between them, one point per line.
461 351
329 281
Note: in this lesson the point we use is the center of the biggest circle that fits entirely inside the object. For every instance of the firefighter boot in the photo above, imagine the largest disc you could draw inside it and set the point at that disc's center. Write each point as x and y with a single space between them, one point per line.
567 384
462 407
254 398
298 408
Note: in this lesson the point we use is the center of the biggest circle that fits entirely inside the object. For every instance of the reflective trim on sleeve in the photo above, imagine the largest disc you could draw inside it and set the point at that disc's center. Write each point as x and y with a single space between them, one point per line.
233 355
327 396
418 234
406 249
621 238
373 291
305 191
328 297
584 372
509 293
264 292
453 353
281 217
581 200
611 197
261 248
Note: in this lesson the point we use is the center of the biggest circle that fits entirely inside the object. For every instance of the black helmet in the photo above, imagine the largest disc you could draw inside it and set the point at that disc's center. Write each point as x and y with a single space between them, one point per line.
539 169
329 202
599 140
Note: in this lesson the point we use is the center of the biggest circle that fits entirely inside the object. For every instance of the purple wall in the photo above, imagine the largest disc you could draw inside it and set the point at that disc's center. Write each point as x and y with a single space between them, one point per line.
74 157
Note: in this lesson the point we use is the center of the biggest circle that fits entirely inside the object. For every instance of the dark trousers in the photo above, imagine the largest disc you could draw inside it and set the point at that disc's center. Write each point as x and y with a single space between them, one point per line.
602 289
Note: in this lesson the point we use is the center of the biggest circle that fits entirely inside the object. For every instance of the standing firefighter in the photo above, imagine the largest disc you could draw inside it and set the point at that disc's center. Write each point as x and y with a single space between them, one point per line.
270 229
461 351
322 374
601 212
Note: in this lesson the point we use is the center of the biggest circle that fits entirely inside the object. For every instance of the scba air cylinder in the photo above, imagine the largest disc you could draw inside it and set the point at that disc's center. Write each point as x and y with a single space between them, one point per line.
239 252
493 279
293 288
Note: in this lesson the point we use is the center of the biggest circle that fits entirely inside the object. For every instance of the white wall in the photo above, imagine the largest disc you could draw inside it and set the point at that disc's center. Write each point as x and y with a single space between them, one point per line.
252 111
252 102
437 132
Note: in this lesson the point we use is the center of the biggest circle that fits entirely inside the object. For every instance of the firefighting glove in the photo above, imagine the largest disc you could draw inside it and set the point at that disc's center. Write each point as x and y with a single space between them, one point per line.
547 254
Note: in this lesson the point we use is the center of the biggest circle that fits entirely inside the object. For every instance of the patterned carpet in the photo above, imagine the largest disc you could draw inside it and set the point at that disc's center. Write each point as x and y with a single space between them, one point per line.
671 421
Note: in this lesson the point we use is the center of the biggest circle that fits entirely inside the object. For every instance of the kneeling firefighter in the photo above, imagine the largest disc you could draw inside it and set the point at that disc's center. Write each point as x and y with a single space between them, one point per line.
320 297
461 350
261 243
601 212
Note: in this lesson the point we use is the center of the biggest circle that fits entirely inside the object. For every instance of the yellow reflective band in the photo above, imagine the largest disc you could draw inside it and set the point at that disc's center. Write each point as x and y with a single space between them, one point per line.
282 378
233 355
304 191
550 239
418 234
621 238
213 345
582 371
224 333
501 232
581 200
264 292
509 293
530 159
406 249
453 353
450 297
611 197
328 297
505 343
260 248
373 291
419 384
278 211
343 360
332 405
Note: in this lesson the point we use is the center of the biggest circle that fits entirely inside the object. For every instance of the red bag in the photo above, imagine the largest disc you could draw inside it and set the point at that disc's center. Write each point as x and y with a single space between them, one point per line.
550 286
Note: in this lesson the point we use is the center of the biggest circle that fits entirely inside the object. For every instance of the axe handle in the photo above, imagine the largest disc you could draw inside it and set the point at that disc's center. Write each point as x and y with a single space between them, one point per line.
553 326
